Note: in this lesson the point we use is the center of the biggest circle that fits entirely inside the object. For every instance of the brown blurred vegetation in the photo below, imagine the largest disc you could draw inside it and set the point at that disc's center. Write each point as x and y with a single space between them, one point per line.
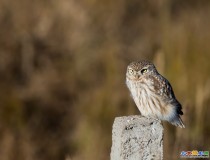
62 73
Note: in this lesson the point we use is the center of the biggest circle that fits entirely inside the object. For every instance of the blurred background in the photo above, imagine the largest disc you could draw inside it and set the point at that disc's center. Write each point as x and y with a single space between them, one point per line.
62 73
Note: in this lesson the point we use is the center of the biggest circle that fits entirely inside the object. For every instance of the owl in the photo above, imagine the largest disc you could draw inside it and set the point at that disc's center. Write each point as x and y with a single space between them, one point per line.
152 93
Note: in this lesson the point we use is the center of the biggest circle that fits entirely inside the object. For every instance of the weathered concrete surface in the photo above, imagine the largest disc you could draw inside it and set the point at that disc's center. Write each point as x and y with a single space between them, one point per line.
137 138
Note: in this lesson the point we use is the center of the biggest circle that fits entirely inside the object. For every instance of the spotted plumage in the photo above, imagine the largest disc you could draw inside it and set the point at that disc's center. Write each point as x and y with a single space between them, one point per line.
152 93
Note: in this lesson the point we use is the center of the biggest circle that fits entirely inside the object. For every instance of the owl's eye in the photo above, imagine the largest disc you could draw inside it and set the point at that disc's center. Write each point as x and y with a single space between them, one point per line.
143 71
131 71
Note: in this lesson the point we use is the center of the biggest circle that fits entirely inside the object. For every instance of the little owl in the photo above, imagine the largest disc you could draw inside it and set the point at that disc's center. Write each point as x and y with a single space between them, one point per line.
152 93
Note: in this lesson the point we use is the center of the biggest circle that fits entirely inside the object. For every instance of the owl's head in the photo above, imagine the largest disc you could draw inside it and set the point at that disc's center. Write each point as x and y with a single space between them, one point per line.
140 69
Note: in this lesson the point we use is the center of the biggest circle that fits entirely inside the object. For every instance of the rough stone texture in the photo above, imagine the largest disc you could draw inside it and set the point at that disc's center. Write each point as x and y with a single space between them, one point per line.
137 138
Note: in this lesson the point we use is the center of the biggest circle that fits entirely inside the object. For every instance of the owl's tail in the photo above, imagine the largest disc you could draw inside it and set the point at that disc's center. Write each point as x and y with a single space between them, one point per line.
178 122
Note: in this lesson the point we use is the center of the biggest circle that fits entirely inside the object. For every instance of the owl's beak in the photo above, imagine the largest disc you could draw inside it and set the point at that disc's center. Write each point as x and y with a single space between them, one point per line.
137 76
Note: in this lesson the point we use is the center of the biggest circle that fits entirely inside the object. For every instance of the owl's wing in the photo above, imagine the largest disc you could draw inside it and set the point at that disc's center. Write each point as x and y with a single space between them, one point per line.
164 89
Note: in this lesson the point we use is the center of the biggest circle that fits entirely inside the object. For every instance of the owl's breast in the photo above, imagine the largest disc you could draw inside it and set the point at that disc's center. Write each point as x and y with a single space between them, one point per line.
143 93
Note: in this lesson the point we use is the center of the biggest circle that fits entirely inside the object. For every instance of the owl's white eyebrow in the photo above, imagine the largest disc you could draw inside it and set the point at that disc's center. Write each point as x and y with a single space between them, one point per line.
144 68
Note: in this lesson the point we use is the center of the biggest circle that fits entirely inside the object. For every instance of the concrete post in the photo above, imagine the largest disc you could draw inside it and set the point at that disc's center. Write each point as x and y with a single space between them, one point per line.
137 138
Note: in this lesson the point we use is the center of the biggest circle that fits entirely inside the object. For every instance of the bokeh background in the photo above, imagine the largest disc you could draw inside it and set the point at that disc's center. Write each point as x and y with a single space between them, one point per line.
62 73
